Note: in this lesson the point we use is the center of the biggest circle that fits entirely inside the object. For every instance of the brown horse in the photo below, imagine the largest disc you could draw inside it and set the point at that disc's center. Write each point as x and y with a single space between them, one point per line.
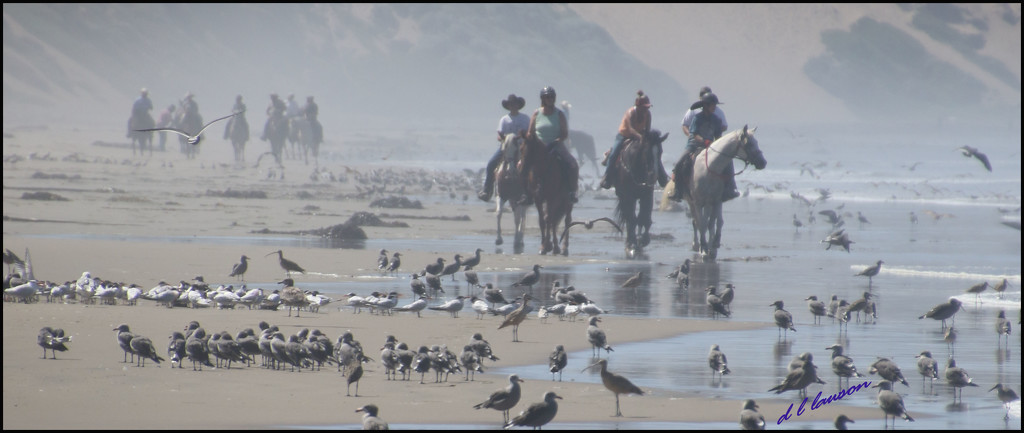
509 186
636 173
546 183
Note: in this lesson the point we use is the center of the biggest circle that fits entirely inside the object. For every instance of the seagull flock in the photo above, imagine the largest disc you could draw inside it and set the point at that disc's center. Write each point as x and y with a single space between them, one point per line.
310 349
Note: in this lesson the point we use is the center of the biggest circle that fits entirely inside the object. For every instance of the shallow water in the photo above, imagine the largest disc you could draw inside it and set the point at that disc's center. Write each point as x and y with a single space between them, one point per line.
767 259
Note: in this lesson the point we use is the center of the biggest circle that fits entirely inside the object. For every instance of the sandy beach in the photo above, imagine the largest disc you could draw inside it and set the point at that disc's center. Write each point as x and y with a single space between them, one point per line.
111 194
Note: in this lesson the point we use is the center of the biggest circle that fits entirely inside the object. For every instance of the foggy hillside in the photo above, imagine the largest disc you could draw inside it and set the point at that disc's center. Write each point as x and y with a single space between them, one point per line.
448 65
401 65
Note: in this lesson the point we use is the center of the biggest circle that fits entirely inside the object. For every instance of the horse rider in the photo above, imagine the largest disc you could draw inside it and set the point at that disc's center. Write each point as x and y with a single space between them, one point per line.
688 117
636 123
549 126
276 109
704 130
239 107
140 109
166 119
311 111
293 110
512 123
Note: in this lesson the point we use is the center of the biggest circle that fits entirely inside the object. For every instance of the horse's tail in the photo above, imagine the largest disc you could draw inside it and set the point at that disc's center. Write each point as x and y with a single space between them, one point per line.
621 211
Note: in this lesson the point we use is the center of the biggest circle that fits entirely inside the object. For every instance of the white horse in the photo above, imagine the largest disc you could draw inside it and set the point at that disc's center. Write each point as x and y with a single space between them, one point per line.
708 184
509 187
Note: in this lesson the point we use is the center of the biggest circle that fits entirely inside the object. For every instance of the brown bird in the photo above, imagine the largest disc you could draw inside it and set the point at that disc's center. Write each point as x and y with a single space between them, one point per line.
969 151
516 317
944 311
615 383
840 422
589 225
1006 395
871 271
504 399
750 418
293 297
634 280
288 265
1000 288
537 414
52 339
977 289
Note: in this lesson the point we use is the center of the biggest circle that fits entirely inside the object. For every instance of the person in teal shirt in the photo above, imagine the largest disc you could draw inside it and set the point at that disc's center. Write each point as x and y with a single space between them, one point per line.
550 126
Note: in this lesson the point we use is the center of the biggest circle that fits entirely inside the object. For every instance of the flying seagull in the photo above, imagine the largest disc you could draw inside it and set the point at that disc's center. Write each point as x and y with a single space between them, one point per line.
969 151
192 139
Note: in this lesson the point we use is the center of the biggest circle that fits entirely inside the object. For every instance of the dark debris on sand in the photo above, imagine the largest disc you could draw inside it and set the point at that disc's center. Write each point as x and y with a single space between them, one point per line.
43 195
397 202
229 193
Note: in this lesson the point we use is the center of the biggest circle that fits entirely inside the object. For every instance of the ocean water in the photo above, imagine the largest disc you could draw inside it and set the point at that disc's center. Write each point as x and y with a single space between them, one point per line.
882 174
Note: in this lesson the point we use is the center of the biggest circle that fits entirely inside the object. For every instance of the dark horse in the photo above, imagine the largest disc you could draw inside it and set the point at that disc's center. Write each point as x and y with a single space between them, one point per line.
546 183
237 130
143 138
190 120
277 133
708 182
636 173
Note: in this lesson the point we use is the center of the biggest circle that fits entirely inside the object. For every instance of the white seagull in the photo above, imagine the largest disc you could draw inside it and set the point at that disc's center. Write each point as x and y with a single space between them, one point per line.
192 139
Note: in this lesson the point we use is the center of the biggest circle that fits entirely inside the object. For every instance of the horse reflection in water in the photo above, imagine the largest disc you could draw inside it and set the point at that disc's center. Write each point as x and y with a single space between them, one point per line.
636 173
708 183
509 186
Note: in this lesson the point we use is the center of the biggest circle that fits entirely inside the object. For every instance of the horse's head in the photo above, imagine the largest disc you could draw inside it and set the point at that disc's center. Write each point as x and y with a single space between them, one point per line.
749 152
639 158
510 147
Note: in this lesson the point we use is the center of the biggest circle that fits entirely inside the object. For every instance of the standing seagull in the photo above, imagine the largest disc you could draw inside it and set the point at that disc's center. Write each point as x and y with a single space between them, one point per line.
537 414
750 418
888 370
239 269
615 383
395 262
715 302
194 139
516 317
871 271
143 347
472 262
944 311
968 151
842 365
1002 328
928 368
717 362
817 308
382 260
452 268
557 362
891 403
288 265
530 278
52 339
370 419
504 399
798 379
597 338
1006 395
783 318
957 378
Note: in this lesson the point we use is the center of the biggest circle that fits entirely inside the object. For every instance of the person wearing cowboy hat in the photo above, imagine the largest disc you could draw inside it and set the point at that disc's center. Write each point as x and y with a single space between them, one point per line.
636 123
688 116
512 123
705 129
274 110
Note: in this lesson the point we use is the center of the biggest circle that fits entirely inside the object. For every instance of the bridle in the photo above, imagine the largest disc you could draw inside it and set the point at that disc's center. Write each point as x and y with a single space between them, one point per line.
744 142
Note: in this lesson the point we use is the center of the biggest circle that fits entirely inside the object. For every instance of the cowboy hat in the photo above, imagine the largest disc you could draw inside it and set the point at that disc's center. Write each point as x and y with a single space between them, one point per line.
513 102
708 98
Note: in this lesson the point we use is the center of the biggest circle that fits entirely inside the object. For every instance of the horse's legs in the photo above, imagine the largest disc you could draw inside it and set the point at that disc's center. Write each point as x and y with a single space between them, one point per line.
719 222
693 221
646 208
545 242
565 242
501 207
519 215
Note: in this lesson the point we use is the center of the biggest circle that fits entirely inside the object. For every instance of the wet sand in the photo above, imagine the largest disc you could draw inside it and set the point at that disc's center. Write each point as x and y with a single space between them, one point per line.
112 194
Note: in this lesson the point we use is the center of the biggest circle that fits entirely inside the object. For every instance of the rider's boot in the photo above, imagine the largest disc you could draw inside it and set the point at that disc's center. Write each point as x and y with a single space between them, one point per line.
730 192
485 194
606 181
605 160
